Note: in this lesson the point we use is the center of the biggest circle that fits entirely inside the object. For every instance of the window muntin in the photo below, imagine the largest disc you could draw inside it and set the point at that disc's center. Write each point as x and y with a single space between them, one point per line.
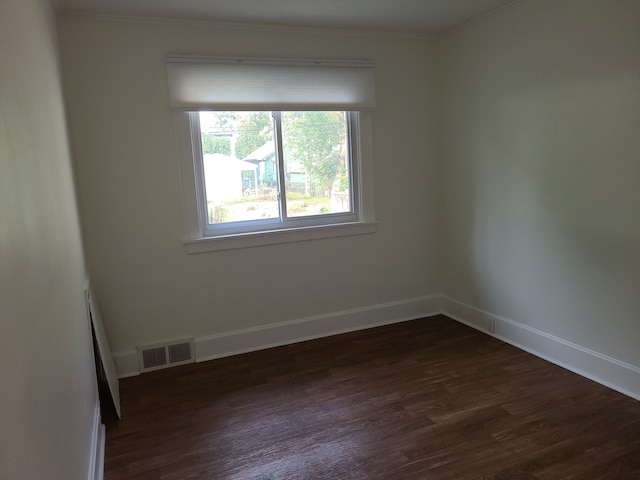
274 170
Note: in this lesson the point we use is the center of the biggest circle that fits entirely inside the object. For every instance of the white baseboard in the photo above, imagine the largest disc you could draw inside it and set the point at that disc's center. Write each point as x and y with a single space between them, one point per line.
613 373
610 372
96 461
283 333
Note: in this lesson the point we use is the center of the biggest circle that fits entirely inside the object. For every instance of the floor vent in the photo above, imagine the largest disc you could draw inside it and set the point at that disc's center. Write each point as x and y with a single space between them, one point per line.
166 354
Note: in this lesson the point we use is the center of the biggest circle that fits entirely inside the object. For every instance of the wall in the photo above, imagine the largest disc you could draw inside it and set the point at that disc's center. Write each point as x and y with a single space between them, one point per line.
541 116
126 162
48 399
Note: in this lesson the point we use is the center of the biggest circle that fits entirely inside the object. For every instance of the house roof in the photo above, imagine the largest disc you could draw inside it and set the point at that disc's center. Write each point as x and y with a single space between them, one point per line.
263 152
228 162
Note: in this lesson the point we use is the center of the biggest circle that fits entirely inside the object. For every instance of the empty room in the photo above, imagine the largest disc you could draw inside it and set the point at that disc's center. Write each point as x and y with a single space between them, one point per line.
320 240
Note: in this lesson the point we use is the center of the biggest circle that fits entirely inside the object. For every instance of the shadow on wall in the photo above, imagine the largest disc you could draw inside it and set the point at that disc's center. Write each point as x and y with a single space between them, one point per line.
548 171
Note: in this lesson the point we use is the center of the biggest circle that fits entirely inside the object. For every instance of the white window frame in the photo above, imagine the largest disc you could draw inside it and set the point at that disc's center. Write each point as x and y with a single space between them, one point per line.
199 237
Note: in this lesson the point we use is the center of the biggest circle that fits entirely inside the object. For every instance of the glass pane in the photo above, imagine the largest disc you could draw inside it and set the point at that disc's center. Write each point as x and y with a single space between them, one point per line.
240 168
316 163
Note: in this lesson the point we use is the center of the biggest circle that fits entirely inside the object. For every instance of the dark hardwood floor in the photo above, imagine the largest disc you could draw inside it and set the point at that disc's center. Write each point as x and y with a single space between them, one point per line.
426 399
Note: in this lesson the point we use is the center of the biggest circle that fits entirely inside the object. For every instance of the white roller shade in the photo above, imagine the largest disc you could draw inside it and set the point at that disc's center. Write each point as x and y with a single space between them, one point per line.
202 83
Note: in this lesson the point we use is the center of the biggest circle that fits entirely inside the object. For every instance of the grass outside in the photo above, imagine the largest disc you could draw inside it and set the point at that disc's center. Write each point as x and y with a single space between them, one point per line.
252 208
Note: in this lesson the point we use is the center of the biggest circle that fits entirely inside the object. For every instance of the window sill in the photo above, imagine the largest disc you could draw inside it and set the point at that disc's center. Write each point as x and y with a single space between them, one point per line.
273 237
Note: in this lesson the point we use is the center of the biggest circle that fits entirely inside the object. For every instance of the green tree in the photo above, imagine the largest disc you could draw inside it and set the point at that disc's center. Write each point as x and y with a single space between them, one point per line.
317 140
254 130
217 131
213 144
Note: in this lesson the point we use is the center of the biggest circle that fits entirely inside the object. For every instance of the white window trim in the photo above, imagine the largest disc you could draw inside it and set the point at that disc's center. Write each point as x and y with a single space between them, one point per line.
196 241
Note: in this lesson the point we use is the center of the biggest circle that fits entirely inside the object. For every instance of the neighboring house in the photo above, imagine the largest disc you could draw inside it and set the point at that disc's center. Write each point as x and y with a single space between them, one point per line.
224 176
264 158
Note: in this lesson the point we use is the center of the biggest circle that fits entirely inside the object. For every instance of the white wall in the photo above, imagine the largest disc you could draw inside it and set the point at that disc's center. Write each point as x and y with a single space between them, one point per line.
542 172
126 163
47 392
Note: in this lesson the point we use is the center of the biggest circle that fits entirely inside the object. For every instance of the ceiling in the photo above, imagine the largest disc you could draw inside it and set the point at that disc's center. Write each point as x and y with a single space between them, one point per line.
398 15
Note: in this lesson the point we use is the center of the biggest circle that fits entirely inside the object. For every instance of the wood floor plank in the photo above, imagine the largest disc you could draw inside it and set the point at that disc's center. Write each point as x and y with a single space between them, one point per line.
426 399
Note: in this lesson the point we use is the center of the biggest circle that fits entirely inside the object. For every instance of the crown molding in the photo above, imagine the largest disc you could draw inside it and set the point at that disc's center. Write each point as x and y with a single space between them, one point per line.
253 27
483 18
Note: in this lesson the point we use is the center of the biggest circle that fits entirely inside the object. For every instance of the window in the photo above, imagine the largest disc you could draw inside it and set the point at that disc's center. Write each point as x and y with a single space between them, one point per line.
298 169
266 170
